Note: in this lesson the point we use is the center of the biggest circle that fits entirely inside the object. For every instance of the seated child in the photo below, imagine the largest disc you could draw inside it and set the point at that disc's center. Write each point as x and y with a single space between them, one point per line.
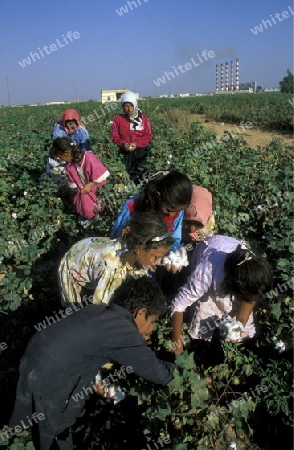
69 125
85 174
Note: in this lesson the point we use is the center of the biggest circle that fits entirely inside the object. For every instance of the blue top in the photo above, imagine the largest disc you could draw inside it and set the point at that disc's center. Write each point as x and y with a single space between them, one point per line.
80 137
125 216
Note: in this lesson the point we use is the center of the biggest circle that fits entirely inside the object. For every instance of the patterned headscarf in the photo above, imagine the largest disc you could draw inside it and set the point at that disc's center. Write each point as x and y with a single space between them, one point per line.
136 117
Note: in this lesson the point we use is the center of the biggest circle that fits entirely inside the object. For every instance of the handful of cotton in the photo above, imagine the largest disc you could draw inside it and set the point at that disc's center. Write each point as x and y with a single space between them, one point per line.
110 392
230 328
115 392
177 259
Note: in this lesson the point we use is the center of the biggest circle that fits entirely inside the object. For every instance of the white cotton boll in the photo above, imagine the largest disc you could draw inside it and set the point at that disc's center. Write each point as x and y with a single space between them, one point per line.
177 259
233 446
230 328
112 391
170 156
167 162
119 395
14 215
98 378
279 345
25 193
234 335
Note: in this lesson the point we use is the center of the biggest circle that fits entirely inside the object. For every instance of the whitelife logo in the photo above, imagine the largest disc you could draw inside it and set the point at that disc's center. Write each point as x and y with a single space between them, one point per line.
124 9
270 22
184 67
53 47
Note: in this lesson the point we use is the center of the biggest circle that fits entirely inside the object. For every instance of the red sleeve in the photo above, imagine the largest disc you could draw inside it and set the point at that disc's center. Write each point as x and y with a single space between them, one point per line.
146 134
131 206
169 221
115 134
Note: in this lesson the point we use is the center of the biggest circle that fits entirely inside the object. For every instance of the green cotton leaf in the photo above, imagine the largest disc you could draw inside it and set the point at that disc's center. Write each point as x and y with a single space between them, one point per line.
30 446
176 384
246 408
247 370
283 262
162 413
18 446
185 360
276 310
198 398
181 446
3 439
239 424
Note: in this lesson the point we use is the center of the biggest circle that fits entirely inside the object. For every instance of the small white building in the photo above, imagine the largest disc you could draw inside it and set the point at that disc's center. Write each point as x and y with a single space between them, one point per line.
56 103
114 95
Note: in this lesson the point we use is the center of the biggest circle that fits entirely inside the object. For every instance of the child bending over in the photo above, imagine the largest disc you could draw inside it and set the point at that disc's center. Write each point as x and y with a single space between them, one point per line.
226 282
85 174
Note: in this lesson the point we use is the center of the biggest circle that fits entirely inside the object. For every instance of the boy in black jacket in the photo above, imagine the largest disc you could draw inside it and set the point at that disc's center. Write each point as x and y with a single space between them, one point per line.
62 360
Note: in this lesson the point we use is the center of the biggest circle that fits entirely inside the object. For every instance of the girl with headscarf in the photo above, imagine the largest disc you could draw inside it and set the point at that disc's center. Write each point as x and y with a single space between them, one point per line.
70 126
198 221
85 173
131 131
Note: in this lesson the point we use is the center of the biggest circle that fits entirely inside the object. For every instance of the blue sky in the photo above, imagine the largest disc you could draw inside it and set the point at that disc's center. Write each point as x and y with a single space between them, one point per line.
111 50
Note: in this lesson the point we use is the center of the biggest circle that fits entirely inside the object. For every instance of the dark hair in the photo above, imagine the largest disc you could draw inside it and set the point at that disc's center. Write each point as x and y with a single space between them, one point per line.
61 144
143 228
136 293
175 190
247 274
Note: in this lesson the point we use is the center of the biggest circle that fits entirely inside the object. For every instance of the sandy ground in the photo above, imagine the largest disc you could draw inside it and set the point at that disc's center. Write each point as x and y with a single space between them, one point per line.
253 136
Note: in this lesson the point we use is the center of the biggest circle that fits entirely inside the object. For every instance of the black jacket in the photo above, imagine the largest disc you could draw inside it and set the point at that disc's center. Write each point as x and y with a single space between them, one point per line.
64 358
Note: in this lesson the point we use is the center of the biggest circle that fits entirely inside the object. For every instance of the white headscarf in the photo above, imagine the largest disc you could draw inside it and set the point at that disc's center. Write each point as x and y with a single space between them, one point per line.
136 117
131 98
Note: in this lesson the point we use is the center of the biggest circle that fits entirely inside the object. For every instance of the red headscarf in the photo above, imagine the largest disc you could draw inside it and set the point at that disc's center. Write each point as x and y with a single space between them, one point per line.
70 114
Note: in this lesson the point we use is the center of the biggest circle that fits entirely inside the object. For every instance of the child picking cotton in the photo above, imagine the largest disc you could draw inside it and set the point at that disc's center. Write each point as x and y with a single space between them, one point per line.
85 173
227 281
69 125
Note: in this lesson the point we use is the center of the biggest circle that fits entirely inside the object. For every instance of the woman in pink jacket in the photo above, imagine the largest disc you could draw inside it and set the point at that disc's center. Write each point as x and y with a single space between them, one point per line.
131 131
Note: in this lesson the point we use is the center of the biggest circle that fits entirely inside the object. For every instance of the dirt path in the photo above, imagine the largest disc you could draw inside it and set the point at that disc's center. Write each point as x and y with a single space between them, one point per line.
253 136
